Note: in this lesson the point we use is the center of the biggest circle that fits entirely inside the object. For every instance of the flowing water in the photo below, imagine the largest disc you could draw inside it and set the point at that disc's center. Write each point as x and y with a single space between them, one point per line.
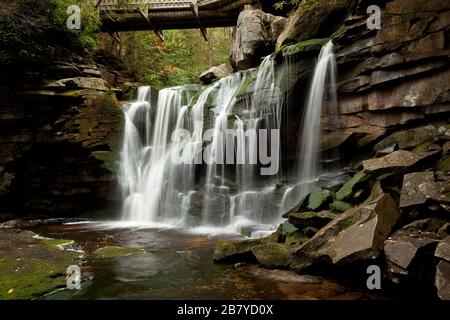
182 165
177 264
322 90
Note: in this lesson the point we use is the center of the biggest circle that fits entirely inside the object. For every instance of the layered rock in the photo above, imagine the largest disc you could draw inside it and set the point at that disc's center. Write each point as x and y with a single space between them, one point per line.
60 132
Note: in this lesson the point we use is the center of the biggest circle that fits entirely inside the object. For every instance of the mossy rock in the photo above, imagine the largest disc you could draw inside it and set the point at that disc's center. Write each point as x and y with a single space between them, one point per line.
346 191
288 228
109 252
318 199
272 255
57 243
444 164
297 237
311 218
28 278
302 46
340 206
234 250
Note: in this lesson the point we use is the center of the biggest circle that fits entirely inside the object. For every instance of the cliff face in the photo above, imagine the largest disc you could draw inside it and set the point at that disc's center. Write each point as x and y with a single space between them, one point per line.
60 135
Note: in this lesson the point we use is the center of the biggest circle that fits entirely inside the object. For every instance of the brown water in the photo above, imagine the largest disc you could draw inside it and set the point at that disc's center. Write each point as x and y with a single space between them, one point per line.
178 265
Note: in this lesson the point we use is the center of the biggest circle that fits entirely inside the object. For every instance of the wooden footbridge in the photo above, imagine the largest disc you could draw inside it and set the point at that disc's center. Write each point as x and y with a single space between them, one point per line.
158 15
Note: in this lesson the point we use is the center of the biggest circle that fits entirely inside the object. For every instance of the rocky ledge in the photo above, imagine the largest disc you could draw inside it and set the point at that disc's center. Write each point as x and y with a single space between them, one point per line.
60 137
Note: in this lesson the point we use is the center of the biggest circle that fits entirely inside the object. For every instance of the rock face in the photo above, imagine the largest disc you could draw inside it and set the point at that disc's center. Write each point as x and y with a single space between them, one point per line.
215 73
314 19
60 137
357 234
254 37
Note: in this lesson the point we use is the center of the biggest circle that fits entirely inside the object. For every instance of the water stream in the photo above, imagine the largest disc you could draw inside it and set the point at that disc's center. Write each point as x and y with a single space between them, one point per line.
183 165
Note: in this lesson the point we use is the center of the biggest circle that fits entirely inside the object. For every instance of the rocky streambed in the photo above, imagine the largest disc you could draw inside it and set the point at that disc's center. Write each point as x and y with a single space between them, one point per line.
124 262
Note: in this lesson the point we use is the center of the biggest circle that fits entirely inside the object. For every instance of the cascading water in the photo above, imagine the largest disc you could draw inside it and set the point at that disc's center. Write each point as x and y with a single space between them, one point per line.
188 179
323 87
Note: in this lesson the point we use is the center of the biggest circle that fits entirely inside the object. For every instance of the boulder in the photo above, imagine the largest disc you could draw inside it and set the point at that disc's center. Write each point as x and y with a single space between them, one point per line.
436 191
311 219
215 73
254 37
408 254
318 199
340 206
442 280
272 255
408 138
411 195
347 190
396 162
234 250
314 19
357 234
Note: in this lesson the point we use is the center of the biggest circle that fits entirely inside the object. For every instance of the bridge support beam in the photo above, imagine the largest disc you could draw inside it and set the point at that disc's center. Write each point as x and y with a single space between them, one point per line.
194 8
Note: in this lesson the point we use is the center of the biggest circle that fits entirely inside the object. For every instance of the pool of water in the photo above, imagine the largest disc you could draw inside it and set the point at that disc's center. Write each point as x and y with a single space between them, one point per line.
177 264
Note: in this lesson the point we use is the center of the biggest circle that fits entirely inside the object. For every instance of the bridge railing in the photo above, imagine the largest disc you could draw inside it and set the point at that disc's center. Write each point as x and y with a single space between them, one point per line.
151 4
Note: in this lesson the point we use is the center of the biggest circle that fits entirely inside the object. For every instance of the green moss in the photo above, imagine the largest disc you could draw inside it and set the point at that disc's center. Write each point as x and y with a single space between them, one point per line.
57 243
293 49
318 199
297 237
340 206
347 189
288 228
109 252
444 163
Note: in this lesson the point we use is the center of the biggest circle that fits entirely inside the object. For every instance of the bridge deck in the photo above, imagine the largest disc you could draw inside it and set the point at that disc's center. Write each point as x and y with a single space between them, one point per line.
133 15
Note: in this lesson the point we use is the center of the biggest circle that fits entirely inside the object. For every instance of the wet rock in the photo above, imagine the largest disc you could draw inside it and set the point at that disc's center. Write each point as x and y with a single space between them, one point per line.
311 219
318 199
411 195
311 18
340 206
357 234
234 250
79 83
273 255
215 73
110 252
408 138
397 161
349 187
408 255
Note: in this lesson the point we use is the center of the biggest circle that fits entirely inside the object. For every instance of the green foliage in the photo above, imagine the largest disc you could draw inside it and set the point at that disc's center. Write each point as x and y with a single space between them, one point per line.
33 29
281 5
179 60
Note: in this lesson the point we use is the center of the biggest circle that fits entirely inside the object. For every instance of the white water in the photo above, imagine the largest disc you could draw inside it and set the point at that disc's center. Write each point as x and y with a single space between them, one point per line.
323 87
214 195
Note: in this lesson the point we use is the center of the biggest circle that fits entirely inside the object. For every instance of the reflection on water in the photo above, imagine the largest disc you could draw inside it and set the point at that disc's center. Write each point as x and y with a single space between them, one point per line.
177 265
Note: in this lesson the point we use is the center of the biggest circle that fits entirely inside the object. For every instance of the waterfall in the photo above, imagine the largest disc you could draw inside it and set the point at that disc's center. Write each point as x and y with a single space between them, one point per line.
181 164
323 87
